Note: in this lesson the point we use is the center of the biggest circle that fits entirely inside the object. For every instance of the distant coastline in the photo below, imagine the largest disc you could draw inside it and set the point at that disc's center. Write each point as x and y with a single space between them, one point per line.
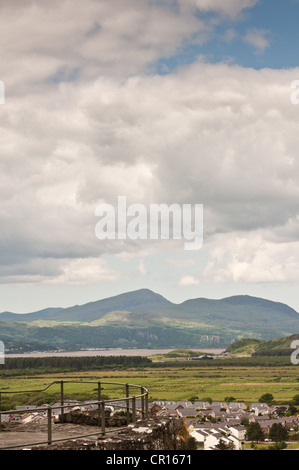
107 352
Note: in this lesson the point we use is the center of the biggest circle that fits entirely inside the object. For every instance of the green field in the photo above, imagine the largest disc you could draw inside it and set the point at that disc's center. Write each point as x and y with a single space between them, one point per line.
164 383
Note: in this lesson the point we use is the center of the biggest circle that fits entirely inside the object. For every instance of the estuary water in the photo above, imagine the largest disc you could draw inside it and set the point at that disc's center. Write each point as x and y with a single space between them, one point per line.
107 352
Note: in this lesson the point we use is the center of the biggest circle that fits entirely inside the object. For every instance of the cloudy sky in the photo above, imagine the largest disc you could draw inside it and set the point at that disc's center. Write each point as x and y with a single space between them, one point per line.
161 101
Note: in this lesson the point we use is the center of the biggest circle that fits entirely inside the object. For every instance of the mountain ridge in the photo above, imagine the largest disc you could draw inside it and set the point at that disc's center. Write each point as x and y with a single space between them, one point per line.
143 318
232 300
141 299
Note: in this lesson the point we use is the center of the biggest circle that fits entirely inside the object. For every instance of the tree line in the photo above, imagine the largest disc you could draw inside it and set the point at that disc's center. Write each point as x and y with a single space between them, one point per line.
73 363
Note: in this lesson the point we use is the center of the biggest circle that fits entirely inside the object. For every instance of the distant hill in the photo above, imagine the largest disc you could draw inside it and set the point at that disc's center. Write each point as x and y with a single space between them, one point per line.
176 354
254 347
145 319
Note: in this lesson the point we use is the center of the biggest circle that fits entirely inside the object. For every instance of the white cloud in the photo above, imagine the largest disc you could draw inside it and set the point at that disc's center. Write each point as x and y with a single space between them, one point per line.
142 269
180 263
220 135
258 38
63 39
228 7
189 281
253 258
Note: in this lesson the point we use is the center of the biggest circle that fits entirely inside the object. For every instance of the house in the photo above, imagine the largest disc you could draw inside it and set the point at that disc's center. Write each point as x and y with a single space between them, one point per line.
155 408
38 418
219 405
184 404
218 414
235 406
209 435
199 435
173 407
214 438
238 431
14 417
259 408
266 424
238 413
67 406
202 405
232 421
187 412
119 405
257 418
279 411
26 407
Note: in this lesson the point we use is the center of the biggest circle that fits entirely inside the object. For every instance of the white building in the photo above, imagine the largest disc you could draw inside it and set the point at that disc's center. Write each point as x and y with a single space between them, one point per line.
210 437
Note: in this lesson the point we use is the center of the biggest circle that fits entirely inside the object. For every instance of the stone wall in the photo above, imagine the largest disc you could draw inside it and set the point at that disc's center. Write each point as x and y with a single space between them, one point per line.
91 419
153 434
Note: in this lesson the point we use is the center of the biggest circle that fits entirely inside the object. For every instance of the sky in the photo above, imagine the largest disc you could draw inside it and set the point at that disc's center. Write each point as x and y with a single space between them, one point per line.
163 102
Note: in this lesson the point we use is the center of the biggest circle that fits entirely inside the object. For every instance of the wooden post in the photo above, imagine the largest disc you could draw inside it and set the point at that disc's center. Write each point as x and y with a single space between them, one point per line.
128 402
99 405
62 401
49 425
142 403
134 409
146 405
103 417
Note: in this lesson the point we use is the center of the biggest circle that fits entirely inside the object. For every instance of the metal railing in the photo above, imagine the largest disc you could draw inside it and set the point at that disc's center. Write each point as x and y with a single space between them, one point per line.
130 402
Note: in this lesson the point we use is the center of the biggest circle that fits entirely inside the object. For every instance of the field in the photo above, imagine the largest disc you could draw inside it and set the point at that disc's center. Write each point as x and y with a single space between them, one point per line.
173 383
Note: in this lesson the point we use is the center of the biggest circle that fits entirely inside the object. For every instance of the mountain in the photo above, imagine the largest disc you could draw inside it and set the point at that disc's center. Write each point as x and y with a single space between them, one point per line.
145 319
239 313
140 300
12 317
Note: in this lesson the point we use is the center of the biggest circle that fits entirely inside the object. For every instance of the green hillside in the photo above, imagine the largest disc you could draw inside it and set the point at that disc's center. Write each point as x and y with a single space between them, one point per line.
244 347
176 354
254 347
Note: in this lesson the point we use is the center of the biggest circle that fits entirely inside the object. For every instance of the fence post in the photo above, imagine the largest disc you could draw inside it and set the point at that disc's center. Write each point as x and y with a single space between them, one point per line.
146 405
49 425
99 405
128 403
62 401
134 409
142 403
103 417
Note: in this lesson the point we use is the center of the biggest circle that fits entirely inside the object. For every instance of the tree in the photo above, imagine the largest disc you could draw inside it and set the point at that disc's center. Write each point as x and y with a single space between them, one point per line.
255 432
223 446
193 399
229 399
208 399
278 433
291 411
296 399
191 444
245 421
278 446
266 398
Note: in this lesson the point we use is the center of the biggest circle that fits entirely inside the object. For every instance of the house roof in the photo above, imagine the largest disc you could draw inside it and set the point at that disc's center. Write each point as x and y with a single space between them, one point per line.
188 412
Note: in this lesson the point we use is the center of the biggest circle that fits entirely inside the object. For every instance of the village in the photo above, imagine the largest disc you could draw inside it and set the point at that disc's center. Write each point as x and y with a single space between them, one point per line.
209 423
212 423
